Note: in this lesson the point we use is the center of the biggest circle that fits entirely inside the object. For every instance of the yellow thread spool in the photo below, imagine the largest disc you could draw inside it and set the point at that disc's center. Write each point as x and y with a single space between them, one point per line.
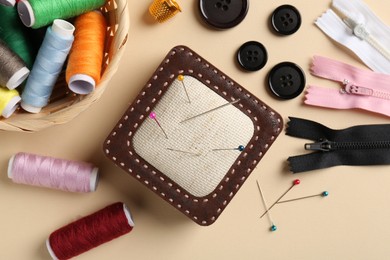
163 10
9 100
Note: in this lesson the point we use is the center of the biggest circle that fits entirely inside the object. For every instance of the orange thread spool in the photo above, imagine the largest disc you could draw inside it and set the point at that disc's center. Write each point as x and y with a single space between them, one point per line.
86 56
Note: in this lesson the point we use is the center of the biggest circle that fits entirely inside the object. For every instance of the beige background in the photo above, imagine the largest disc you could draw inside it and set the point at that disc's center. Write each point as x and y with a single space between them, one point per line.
352 223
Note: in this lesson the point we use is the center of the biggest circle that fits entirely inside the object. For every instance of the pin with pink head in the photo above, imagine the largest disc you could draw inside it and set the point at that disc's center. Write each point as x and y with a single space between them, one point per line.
153 116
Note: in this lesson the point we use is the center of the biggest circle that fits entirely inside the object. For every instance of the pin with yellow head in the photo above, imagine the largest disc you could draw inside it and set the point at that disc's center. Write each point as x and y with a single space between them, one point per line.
162 10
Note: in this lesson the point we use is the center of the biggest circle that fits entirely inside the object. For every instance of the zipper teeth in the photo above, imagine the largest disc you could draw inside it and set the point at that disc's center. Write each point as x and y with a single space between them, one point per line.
382 95
373 41
360 145
332 25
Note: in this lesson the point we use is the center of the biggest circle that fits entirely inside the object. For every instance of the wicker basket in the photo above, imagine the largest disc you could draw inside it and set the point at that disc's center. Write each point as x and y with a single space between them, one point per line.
65 105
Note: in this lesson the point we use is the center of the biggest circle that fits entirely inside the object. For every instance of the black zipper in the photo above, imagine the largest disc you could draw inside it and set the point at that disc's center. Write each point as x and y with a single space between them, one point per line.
327 146
357 145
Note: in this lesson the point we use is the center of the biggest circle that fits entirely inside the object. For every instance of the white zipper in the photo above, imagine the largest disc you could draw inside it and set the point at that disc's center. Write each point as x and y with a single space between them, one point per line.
360 30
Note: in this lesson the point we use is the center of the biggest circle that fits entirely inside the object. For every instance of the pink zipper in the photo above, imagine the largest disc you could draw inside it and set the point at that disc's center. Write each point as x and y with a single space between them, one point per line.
362 89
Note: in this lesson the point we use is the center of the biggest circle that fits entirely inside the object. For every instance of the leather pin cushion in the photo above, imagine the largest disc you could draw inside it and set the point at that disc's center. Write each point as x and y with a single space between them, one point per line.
187 152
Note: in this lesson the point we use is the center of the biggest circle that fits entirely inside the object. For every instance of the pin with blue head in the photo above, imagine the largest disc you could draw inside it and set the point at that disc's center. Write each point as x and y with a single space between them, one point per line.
322 194
273 228
238 148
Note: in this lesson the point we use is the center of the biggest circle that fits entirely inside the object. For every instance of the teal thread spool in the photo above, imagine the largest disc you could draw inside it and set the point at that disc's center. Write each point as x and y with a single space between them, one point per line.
38 13
17 36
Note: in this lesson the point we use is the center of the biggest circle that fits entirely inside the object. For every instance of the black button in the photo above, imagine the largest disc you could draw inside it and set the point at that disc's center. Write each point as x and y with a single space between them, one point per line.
286 19
252 56
286 80
223 14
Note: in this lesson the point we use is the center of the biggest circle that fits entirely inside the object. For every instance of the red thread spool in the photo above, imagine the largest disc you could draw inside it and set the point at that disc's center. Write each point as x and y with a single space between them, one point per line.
90 231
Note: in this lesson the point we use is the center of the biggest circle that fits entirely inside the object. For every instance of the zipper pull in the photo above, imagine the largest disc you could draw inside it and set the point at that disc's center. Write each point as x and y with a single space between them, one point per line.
358 29
322 145
356 90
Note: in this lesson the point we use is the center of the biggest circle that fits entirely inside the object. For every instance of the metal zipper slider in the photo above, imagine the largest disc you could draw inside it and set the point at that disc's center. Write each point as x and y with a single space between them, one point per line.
324 146
356 90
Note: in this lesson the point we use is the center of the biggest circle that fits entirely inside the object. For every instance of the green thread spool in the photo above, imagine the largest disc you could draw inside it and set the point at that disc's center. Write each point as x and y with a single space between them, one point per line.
38 13
17 37
7 2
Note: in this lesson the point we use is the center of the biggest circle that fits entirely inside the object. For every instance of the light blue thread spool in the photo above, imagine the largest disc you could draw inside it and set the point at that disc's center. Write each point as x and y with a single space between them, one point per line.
47 66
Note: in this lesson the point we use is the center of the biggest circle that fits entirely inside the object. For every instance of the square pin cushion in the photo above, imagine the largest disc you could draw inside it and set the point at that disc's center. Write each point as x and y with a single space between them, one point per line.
193 135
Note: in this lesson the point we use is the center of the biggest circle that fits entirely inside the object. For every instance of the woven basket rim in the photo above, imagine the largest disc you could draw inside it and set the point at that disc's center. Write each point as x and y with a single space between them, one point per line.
26 122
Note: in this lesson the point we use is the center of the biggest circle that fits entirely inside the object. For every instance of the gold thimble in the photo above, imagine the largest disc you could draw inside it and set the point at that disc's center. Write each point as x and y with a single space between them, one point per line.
163 10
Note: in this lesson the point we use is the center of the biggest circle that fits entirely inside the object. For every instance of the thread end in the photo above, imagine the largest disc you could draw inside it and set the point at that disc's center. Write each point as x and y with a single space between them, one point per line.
26 13
10 166
94 179
63 28
82 84
18 78
11 107
50 250
128 215
30 108
7 2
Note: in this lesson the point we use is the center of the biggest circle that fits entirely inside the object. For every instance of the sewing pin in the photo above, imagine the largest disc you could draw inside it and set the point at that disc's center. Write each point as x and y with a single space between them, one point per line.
211 110
295 182
322 194
181 79
153 116
181 151
273 226
239 148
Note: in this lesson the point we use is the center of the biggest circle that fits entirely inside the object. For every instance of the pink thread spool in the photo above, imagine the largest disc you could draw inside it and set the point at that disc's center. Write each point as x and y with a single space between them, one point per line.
44 171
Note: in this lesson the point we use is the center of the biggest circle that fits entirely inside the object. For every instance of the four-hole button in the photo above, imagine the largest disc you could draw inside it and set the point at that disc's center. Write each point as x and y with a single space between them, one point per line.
286 19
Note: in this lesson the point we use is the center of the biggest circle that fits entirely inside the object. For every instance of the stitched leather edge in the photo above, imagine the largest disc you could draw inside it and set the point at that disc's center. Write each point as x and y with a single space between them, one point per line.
118 145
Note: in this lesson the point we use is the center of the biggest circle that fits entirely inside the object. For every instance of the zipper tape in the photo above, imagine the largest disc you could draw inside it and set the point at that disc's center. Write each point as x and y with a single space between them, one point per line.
362 89
360 145
360 30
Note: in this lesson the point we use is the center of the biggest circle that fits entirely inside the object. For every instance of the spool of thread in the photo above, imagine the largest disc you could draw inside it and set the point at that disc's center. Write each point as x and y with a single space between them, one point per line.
89 232
47 66
9 100
43 171
86 56
13 71
38 13
7 2
18 37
